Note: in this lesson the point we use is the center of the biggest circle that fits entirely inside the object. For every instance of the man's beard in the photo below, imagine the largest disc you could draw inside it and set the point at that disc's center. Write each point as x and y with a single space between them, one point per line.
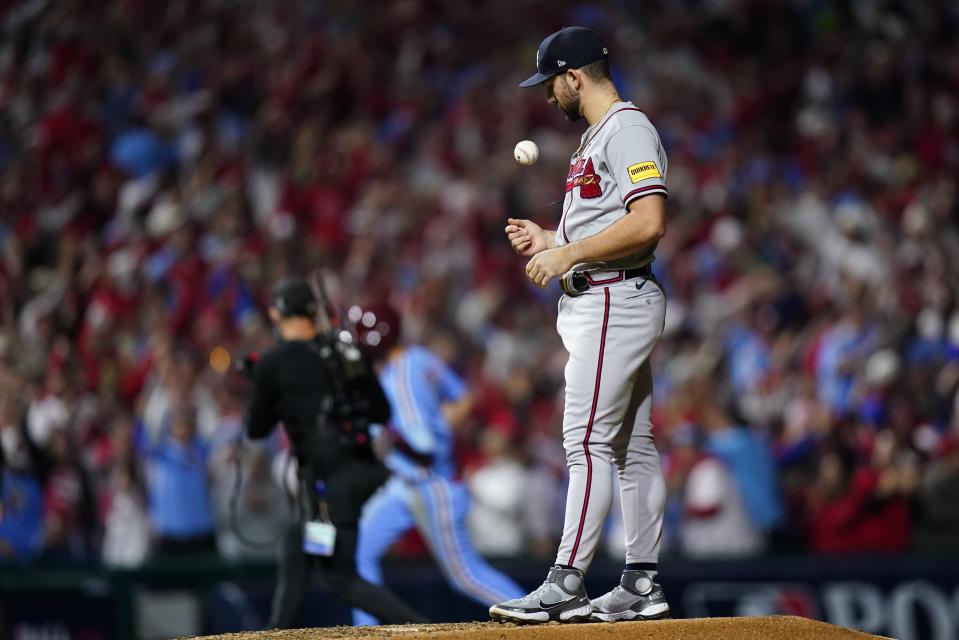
570 105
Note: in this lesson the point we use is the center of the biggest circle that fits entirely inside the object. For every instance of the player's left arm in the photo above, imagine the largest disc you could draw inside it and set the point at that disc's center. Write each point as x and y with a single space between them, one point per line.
635 159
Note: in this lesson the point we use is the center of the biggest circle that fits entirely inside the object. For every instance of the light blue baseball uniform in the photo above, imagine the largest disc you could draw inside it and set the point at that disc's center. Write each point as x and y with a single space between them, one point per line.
417 384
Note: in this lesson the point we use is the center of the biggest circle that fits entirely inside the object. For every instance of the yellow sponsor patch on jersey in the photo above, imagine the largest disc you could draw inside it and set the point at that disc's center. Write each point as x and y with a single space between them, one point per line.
642 171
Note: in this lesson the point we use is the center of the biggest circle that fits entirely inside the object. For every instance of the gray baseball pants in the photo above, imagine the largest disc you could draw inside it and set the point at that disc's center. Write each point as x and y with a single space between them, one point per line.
609 332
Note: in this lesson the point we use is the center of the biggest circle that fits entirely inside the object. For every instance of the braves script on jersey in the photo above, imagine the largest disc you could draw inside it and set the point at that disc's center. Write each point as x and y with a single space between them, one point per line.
609 332
619 159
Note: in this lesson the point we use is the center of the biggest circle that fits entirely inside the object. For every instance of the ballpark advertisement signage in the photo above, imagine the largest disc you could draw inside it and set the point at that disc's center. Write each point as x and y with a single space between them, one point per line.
912 609
904 598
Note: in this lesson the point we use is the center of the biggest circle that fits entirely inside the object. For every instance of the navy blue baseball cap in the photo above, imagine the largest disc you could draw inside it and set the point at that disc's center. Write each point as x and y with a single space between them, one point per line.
568 48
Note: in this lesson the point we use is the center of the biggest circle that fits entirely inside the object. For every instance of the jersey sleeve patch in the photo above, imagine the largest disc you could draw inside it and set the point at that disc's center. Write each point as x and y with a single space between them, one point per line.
642 171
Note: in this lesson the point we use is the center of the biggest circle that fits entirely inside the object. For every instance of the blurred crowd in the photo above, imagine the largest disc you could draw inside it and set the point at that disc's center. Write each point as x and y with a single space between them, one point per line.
163 163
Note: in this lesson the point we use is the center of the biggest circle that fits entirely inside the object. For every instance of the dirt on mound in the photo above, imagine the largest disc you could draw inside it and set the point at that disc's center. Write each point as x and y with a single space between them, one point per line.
766 628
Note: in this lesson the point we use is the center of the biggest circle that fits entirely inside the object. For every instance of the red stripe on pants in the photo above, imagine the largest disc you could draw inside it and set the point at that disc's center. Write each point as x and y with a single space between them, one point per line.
589 430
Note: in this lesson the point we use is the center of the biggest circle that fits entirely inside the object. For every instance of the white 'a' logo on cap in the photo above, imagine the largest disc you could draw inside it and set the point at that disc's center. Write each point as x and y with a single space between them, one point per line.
537 58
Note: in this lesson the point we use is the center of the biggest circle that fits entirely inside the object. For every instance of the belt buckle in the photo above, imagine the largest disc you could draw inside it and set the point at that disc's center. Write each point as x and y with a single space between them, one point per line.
574 283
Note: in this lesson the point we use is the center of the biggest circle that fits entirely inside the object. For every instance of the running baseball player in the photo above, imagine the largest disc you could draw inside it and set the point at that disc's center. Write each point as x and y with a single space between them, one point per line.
610 317
426 397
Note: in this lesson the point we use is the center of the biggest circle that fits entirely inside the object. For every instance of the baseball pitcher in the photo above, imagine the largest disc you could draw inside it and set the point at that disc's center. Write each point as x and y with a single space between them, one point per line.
610 317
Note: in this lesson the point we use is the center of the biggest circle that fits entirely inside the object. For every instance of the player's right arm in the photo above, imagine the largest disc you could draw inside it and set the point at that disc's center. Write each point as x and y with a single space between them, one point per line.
528 238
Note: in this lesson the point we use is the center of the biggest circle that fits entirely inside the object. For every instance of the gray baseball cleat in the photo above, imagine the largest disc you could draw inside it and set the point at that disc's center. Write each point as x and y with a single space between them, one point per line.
636 597
561 598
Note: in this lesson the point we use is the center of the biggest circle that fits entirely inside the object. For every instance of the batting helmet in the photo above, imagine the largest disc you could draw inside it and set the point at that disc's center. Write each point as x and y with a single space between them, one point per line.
377 327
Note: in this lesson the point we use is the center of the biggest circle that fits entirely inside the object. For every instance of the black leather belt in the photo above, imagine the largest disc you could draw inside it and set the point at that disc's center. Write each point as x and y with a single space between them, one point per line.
576 283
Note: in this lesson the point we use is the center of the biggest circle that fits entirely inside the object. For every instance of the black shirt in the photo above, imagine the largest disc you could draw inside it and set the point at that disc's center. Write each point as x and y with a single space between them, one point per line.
293 385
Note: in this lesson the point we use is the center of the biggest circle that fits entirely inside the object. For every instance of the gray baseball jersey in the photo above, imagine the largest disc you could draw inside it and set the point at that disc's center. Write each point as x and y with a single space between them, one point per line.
609 332
620 158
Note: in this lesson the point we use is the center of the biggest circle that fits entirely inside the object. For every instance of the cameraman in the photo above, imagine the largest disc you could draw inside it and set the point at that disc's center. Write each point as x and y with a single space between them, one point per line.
303 382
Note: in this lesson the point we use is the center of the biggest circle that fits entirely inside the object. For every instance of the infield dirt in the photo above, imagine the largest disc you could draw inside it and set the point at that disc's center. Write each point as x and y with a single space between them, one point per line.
765 628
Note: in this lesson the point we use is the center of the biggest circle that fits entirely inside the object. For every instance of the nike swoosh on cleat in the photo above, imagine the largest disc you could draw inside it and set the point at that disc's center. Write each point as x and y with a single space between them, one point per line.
550 607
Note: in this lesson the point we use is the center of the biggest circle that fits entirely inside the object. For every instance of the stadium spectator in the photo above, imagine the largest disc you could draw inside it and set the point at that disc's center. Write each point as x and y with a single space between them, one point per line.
126 528
499 498
748 459
179 490
938 494
69 508
860 509
714 520
21 528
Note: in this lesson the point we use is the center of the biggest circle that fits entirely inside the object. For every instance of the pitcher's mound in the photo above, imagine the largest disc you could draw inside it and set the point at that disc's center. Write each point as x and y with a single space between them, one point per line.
767 628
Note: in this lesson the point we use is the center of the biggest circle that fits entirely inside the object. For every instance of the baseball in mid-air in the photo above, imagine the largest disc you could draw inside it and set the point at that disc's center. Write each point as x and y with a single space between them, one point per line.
526 152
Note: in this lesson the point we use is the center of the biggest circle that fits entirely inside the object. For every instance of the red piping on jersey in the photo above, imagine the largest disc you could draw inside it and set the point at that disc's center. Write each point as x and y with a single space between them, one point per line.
593 137
589 430
616 278
640 190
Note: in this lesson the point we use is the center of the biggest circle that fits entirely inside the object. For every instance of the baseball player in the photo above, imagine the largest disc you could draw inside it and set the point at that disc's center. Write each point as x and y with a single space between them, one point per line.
426 396
610 317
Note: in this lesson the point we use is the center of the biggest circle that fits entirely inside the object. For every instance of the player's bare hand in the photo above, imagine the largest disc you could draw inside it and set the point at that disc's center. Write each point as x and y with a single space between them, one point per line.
526 237
548 264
